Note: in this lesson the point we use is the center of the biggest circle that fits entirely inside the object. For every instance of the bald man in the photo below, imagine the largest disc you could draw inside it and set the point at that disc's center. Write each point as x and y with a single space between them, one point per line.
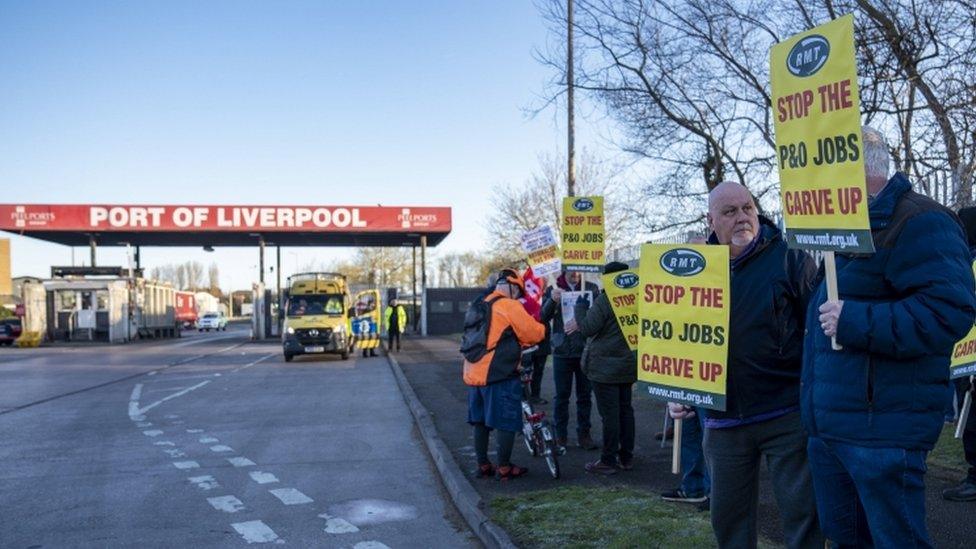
771 286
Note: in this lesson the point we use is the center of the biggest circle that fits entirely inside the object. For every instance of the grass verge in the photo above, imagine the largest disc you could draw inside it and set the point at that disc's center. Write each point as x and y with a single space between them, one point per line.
948 453
573 516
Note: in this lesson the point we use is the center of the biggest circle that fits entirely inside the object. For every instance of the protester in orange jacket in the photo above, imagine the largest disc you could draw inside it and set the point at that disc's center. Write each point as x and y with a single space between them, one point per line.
495 391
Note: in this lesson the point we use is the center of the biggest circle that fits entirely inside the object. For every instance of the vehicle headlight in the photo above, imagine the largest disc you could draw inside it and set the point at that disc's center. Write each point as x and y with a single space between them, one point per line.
340 329
290 330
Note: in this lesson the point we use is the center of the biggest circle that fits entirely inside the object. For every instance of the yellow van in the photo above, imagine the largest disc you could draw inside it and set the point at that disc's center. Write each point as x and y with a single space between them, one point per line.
316 319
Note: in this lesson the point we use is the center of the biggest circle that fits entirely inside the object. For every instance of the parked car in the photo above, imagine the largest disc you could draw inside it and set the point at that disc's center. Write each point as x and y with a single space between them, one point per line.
10 330
212 321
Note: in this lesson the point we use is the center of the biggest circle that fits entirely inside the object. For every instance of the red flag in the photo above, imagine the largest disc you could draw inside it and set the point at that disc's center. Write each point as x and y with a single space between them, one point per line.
534 288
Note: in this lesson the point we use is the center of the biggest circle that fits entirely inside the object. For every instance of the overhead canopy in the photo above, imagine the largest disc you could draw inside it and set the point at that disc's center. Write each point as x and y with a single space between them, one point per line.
156 225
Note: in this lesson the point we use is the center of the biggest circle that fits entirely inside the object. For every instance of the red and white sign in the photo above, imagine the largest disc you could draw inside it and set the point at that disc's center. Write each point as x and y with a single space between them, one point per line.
109 218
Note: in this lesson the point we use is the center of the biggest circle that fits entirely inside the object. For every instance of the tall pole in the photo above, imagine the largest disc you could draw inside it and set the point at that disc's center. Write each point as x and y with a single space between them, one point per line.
93 246
423 285
261 260
413 276
278 316
570 123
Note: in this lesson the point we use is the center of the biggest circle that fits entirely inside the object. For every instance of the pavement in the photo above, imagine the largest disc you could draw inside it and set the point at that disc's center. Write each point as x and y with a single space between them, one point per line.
212 441
432 366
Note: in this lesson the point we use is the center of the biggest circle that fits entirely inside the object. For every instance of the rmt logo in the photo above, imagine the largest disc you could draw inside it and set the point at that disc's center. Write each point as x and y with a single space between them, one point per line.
808 56
683 262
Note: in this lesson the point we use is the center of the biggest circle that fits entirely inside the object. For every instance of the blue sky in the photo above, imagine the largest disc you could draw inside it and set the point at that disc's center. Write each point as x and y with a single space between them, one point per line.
342 102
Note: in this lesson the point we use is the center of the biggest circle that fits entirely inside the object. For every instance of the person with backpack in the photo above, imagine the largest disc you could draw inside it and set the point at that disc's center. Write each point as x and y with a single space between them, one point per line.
496 328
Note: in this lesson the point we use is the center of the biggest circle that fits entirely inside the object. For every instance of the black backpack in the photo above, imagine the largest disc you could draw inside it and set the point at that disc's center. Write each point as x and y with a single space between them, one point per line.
477 321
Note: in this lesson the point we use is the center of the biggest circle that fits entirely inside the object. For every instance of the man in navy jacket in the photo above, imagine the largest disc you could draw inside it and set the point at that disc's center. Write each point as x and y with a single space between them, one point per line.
874 409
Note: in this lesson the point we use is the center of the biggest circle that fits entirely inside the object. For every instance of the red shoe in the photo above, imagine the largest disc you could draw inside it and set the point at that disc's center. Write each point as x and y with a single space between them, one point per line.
485 471
506 472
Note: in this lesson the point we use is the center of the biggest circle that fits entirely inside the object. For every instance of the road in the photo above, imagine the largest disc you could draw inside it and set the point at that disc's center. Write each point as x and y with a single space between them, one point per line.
211 441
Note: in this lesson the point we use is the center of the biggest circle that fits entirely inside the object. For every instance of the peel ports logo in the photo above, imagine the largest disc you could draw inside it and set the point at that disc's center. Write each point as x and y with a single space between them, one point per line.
808 56
683 262
408 220
626 281
22 218
583 205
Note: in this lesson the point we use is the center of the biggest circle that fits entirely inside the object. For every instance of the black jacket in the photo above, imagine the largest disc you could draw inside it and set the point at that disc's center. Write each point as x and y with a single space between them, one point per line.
606 358
563 346
770 290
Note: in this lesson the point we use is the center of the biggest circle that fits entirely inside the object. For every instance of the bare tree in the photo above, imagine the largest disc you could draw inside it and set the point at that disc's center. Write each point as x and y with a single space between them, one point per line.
213 276
539 201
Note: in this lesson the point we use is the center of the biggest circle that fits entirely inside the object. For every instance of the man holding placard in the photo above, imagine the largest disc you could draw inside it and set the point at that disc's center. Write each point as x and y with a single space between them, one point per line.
770 287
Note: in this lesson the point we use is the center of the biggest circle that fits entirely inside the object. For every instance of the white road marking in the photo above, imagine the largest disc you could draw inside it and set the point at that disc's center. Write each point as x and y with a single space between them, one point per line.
263 478
152 373
290 496
248 365
134 402
205 482
186 465
171 416
175 453
221 448
177 422
152 433
164 443
241 462
336 525
369 545
172 396
217 375
194 431
255 531
228 504
208 440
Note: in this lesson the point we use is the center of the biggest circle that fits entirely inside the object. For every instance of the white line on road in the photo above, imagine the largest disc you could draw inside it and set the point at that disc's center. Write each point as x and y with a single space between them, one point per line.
205 482
263 478
174 395
336 525
186 465
175 453
221 448
134 402
143 424
194 431
290 496
152 433
208 440
241 462
255 531
171 416
163 443
248 365
228 504
369 545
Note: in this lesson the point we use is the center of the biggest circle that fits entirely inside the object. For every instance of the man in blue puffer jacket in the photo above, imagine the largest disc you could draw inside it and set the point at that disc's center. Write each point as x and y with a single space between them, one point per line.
874 409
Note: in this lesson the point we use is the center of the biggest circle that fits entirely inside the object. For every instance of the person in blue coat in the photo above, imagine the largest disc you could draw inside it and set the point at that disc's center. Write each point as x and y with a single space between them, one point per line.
874 409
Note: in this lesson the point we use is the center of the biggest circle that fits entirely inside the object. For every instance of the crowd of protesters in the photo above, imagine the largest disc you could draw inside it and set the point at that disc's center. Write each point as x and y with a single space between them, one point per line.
844 433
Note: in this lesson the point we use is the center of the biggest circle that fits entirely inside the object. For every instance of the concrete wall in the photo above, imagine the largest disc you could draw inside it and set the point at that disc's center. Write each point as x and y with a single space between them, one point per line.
6 285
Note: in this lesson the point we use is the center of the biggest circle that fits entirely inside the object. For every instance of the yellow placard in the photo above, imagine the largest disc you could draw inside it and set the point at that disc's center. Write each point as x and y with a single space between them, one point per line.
683 304
819 149
963 360
582 233
622 288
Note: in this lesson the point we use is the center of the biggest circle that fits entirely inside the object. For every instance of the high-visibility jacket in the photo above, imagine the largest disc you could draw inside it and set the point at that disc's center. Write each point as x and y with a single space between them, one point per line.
401 317
510 329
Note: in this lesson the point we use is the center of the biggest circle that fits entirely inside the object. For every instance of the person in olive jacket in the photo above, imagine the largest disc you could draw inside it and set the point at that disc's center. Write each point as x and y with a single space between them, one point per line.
611 367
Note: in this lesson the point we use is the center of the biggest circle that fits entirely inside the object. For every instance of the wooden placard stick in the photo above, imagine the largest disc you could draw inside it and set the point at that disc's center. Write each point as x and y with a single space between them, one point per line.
967 403
676 447
830 270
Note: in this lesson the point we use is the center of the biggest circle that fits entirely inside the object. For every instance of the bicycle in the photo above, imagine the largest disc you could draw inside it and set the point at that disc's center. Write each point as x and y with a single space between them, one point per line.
537 432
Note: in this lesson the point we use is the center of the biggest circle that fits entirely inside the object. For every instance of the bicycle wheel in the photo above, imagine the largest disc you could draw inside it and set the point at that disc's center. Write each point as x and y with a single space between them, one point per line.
527 437
551 449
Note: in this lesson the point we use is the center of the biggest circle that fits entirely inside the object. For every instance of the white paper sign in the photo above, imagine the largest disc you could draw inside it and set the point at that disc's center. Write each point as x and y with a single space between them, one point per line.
568 303
542 251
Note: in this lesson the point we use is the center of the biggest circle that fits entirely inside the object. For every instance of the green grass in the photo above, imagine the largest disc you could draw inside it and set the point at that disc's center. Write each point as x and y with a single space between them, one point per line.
948 453
600 517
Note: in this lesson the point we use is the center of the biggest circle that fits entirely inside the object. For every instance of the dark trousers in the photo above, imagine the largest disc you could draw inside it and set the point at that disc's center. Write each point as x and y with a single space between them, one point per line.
538 367
564 371
614 401
734 456
694 472
969 433
390 334
869 497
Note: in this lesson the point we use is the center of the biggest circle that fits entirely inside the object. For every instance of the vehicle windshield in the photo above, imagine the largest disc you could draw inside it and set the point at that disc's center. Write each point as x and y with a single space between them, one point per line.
210 315
316 305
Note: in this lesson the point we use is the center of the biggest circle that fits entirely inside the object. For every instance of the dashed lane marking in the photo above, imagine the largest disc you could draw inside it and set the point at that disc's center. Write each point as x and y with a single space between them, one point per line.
290 496
228 504
205 482
256 531
221 448
336 525
248 365
263 478
241 462
175 453
143 424
145 409
369 545
152 433
208 440
186 465
194 431
163 443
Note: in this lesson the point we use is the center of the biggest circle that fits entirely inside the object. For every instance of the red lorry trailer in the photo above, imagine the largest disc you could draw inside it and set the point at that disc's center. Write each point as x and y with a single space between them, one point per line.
186 310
